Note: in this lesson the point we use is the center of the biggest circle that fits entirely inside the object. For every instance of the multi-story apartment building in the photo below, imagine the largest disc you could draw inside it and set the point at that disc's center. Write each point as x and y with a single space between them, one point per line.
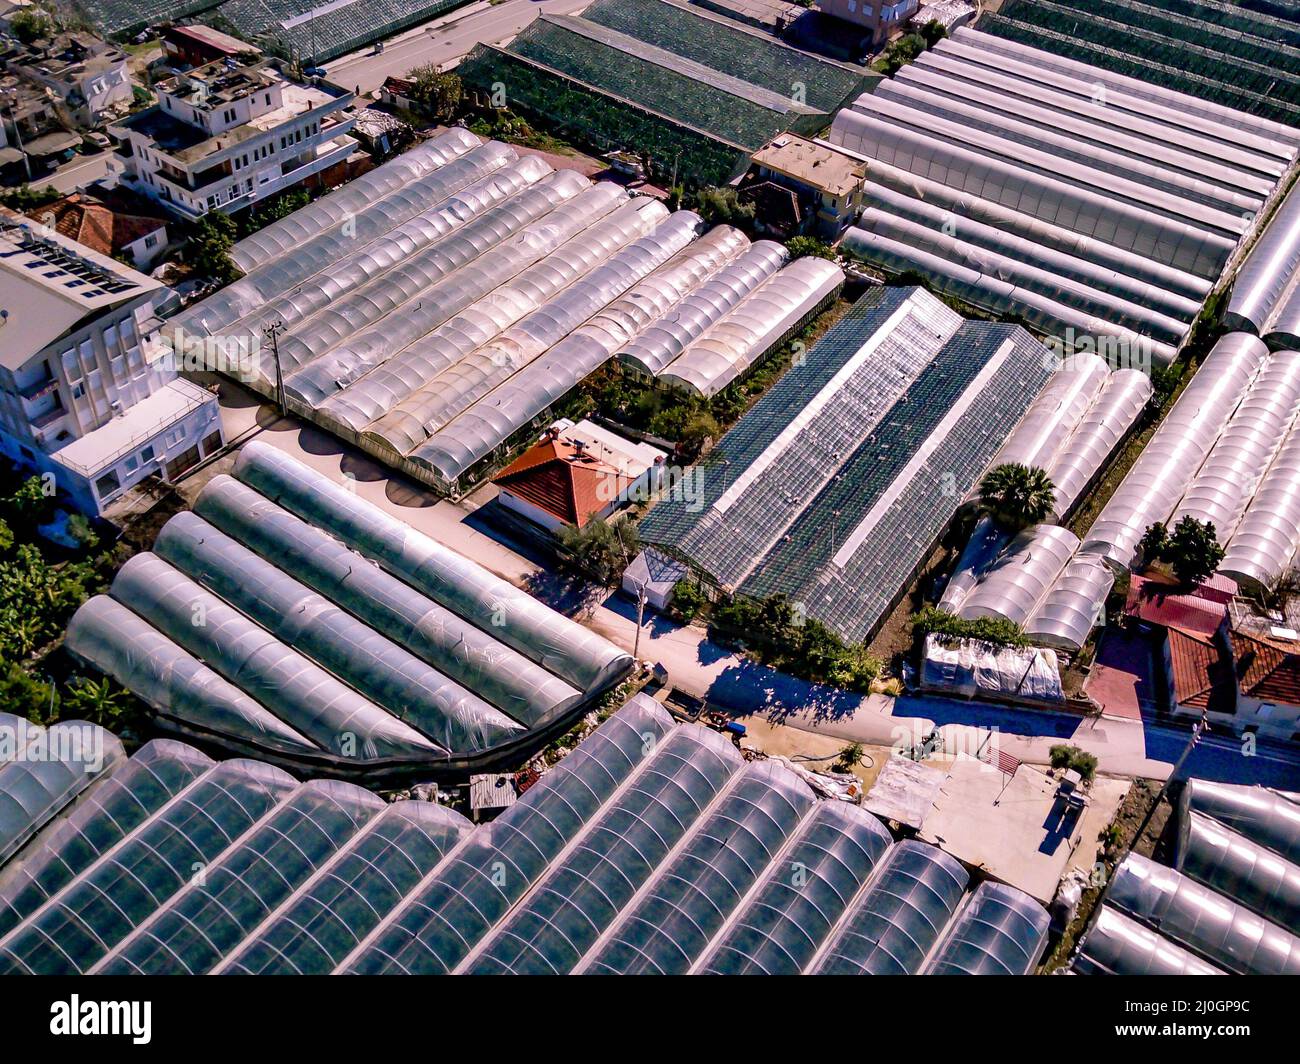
87 74
86 392
224 136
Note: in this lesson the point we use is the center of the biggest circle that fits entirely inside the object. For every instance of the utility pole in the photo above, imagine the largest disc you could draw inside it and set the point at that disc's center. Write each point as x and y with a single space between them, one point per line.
272 332
640 615
18 133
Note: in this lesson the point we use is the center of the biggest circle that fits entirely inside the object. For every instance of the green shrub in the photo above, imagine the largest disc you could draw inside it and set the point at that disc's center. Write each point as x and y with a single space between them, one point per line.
687 600
996 630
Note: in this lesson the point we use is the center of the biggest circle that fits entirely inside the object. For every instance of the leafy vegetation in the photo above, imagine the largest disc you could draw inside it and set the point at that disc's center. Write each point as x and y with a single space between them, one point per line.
438 94
780 636
996 630
902 50
31 25
687 600
721 206
800 246
208 248
1192 550
25 198
600 549
1017 496
260 216
1071 757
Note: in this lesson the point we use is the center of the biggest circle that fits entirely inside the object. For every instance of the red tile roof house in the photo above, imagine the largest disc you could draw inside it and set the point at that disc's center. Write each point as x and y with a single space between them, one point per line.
1243 681
576 473
115 228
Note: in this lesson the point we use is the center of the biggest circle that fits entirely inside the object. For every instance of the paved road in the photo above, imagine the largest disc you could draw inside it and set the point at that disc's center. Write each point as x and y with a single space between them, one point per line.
443 40
78 173
706 670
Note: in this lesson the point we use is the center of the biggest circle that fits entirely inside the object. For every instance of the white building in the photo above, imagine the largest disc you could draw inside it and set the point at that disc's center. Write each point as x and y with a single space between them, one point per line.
223 137
88 74
83 393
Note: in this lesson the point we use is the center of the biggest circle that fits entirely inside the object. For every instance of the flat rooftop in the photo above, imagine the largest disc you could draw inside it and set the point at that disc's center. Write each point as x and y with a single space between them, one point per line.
816 165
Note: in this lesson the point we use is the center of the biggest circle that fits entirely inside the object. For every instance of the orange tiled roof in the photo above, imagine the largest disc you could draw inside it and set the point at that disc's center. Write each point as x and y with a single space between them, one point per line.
94 225
1202 676
1267 669
1172 607
561 480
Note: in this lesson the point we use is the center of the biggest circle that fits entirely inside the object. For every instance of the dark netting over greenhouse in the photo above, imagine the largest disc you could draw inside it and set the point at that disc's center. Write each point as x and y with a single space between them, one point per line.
653 846
825 490
288 618
1228 54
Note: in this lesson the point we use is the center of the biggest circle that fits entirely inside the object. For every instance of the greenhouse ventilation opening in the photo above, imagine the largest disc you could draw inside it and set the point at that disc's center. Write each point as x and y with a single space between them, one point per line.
287 619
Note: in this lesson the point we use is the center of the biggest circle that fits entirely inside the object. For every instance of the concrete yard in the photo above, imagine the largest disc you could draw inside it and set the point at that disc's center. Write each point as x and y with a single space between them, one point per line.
1018 831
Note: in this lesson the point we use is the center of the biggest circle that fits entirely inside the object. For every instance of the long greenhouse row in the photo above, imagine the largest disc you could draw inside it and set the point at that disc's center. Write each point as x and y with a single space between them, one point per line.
1097 210
1230 902
437 308
1244 56
1227 453
654 848
286 618
1266 294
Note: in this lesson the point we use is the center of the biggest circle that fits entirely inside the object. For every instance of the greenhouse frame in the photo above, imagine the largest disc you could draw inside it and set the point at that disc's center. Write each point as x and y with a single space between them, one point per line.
288 618
653 846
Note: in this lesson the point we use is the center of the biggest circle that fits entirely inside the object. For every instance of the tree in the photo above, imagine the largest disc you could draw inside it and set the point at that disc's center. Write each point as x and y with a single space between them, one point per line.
1192 550
687 600
700 427
850 757
933 32
601 549
722 206
800 246
1017 496
208 250
437 93
900 52
30 26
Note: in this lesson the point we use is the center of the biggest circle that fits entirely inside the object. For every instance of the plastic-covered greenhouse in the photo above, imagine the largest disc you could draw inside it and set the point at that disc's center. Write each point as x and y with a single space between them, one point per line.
1160 476
653 846
1022 575
436 309
1212 925
1265 540
893 925
1090 205
1268 271
293 619
1073 606
1057 412
1261 815
1119 945
999 931
1263 881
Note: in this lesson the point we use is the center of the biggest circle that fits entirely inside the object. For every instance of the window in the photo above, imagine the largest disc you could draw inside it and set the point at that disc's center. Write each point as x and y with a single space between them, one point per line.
131 464
147 454
78 390
107 485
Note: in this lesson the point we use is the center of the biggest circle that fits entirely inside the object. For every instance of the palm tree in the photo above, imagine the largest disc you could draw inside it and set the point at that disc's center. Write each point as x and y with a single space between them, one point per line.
1017 496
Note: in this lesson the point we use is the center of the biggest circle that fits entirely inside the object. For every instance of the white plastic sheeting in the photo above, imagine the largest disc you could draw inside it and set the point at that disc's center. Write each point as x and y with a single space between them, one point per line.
382 670
1203 920
363 321
1072 607
469 377
565 647
382 394
290 685
1264 276
1113 412
170 680
1261 136
743 336
998 172
1118 945
1056 413
988 290
288 234
1229 478
970 668
477 433
651 351
1018 580
981 550
415 210
1176 451
1265 541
